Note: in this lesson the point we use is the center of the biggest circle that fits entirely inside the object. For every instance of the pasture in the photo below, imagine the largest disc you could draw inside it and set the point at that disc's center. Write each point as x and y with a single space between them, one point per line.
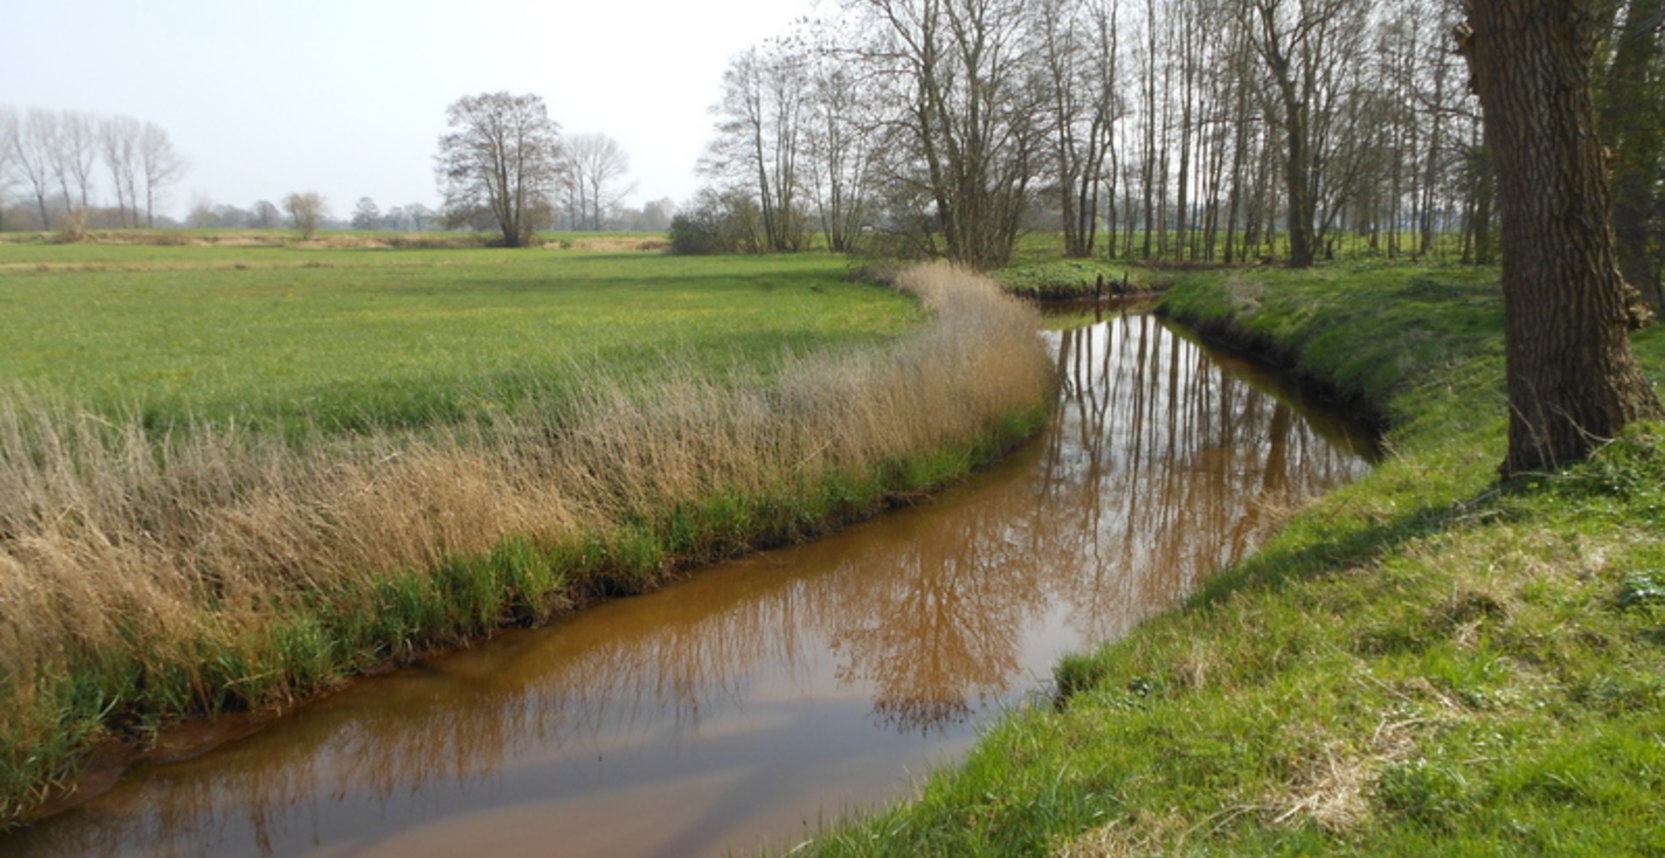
357 338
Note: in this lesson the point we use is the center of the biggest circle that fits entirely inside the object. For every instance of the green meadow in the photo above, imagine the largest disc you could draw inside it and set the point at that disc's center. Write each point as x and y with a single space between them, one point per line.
356 337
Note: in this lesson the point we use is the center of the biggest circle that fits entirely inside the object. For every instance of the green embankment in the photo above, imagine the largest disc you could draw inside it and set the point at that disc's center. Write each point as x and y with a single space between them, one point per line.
193 560
1424 662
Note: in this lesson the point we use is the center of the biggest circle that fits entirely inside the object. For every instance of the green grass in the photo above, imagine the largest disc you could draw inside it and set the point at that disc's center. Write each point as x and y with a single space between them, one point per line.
357 337
1424 662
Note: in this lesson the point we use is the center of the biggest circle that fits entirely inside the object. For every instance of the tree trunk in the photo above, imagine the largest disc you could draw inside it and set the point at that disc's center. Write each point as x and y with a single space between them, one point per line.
1572 380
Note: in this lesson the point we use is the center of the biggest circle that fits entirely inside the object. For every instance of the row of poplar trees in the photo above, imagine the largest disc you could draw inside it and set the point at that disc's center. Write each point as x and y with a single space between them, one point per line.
1192 130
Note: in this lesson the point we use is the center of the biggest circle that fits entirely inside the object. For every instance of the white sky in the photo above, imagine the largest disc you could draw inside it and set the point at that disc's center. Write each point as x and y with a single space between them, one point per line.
347 97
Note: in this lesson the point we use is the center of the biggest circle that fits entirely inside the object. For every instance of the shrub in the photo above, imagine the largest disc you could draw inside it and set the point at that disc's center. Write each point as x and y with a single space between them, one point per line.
717 223
72 228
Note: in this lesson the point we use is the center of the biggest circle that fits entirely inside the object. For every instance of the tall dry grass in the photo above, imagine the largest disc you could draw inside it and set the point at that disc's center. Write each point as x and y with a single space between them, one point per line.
145 577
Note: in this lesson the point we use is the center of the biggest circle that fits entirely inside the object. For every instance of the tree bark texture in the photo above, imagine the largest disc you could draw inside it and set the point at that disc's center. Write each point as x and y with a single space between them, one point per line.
1572 380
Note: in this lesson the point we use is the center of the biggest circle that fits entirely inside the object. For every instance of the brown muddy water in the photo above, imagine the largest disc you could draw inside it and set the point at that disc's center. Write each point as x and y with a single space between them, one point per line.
735 710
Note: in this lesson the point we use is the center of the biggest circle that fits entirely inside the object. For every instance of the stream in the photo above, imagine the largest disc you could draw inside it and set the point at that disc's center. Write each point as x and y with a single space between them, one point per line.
738 709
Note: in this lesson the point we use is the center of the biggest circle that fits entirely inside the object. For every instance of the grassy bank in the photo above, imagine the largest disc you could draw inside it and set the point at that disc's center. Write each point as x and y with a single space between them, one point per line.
151 574
1071 279
1424 662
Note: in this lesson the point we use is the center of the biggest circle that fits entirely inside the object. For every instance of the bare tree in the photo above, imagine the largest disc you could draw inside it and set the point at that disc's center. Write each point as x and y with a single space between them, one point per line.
366 214
844 136
1293 40
305 210
959 71
1078 56
591 166
760 136
9 129
33 146
159 166
1571 377
78 156
119 138
501 159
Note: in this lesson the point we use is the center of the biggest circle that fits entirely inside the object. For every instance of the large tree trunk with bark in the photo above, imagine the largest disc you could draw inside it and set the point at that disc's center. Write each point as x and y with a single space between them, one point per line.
1572 380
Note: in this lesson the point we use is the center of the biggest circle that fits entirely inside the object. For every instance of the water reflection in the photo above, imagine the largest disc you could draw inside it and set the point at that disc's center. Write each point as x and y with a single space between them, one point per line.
767 692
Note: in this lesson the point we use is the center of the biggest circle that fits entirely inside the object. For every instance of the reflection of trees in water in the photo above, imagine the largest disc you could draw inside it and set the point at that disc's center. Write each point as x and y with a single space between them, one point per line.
1159 467
1191 464
939 619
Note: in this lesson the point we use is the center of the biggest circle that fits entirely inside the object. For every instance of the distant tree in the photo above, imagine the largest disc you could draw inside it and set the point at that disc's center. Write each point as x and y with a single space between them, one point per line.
501 158
761 132
202 215
591 165
8 154
306 211
76 157
420 217
118 139
1572 379
264 215
366 215
232 217
159 165
32 147
657 214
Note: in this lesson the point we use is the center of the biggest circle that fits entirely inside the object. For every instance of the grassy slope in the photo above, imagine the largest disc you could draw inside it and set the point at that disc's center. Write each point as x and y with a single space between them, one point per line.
400 337
1421 663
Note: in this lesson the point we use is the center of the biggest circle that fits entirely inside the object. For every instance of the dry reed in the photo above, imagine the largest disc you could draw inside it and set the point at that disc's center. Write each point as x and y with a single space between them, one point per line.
142 577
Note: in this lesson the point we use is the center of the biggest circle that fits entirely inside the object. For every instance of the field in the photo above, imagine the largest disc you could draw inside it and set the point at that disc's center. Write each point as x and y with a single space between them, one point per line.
1423 662
356 338
236 476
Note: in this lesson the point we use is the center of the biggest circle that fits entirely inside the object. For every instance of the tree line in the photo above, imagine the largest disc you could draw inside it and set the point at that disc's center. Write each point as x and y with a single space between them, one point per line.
114 169
116 172
1181 130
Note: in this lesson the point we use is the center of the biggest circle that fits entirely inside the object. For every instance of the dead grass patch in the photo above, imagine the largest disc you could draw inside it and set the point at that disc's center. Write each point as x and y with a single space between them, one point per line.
615 244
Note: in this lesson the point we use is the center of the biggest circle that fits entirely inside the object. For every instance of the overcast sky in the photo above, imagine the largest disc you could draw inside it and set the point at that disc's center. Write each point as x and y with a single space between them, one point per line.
347 97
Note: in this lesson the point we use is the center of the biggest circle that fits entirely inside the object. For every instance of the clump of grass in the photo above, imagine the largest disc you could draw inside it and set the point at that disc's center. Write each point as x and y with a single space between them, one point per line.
149 574
1423 662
